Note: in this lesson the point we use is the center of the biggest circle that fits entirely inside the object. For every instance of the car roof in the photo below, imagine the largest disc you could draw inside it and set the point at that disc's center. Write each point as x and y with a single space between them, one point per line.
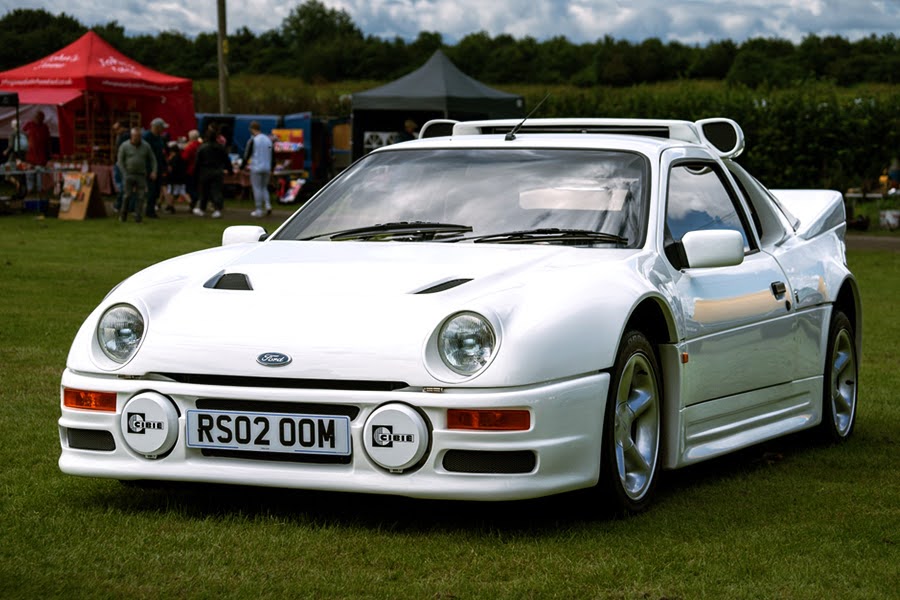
722 136
630 143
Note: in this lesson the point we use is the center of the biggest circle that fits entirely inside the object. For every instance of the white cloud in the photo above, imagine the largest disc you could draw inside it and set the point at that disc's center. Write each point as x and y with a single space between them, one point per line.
689 21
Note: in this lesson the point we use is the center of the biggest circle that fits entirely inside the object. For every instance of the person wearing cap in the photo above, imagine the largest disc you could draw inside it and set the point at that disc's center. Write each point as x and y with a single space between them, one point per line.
155 139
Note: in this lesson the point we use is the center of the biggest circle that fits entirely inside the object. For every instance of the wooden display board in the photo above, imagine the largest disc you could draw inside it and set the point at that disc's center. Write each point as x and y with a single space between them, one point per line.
79 199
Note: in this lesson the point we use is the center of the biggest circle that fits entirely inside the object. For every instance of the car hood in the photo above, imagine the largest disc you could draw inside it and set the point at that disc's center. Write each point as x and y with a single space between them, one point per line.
348 310
373 269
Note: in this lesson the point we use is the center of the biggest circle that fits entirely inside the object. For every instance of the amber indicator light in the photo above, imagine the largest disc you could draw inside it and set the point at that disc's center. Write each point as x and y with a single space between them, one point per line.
89 400
489 420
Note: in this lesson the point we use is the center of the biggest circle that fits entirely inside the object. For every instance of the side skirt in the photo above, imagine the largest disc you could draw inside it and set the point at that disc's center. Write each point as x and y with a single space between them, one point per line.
720 426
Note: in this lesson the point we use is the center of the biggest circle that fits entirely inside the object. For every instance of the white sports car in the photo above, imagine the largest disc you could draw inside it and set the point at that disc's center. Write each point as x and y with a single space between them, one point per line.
512 310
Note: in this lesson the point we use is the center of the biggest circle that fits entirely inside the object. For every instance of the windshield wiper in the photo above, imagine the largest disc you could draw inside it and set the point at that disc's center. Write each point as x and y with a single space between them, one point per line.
424 230
549 235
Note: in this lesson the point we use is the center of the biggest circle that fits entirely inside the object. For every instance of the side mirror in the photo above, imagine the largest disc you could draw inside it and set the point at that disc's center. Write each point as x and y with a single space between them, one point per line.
242 234
713 248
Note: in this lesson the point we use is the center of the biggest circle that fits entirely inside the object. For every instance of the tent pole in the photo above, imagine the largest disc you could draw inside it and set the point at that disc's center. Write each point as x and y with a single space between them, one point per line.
90 127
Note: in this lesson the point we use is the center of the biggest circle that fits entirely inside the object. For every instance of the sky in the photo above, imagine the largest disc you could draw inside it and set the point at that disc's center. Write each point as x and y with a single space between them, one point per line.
686 21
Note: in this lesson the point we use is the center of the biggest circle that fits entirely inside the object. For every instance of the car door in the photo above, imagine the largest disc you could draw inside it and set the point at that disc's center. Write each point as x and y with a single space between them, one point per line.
738 332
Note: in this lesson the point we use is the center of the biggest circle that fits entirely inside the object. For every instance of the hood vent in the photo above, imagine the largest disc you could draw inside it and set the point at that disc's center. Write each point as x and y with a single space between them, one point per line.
444 286
229 281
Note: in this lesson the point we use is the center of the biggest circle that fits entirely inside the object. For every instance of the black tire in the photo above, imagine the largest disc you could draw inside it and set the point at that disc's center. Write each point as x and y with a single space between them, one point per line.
840 382
629 461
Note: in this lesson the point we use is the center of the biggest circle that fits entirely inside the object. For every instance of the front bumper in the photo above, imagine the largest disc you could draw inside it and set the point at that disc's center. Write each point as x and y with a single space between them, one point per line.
564 438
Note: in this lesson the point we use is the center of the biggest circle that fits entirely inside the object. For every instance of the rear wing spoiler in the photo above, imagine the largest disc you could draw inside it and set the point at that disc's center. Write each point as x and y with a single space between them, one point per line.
723 136
817 211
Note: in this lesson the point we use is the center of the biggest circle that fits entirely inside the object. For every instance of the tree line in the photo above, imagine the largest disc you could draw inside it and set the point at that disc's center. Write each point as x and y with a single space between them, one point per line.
320 44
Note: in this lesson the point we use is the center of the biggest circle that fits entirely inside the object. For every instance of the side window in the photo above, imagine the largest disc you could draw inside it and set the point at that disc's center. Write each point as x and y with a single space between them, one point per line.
699 199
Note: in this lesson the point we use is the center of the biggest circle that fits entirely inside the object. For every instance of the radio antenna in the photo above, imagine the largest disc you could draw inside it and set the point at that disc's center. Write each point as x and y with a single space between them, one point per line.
512 134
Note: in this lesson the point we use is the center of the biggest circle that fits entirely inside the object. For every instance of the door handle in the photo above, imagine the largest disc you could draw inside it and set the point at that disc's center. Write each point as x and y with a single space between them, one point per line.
779 290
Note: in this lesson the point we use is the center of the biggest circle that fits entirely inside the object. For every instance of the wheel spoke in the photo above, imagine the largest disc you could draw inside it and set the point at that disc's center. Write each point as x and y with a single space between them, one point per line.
840 363
636 462
842 403
626 381
639 401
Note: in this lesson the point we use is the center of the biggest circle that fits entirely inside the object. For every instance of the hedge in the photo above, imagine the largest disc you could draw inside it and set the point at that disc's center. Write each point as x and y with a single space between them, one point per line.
815 135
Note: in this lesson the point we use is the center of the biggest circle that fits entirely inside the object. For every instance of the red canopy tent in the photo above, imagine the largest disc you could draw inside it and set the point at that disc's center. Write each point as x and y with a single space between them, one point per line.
90 84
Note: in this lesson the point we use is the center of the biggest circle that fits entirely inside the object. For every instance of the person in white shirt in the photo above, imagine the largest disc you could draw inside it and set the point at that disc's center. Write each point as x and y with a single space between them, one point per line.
259 154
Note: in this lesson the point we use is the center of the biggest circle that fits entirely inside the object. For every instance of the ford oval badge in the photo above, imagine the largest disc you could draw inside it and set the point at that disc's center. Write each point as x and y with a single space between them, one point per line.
273 359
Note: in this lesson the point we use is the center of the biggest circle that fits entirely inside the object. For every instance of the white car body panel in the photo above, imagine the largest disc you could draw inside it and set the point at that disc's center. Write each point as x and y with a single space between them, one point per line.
335 279
568 448
741 347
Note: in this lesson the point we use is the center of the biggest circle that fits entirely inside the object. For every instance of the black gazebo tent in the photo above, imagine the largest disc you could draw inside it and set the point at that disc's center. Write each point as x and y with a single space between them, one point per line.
437 90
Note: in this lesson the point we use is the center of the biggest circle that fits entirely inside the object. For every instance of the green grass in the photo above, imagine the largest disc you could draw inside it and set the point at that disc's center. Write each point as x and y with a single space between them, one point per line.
789 519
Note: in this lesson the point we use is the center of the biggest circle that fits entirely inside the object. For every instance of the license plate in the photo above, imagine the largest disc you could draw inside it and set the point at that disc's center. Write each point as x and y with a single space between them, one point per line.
269 432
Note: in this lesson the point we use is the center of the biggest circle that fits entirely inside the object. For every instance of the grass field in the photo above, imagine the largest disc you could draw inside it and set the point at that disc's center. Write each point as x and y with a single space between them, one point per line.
789 519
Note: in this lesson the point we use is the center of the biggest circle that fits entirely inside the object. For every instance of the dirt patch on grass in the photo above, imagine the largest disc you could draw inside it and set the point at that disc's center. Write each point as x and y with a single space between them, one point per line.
873 242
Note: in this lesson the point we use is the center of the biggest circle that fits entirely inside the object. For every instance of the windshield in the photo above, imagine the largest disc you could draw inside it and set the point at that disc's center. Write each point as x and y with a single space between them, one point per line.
466 194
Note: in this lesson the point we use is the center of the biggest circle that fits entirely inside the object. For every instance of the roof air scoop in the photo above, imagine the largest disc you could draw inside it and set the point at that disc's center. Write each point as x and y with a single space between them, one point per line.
437 128
723 136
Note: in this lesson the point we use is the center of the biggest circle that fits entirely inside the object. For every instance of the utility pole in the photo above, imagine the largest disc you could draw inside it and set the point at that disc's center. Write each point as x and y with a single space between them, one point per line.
223 59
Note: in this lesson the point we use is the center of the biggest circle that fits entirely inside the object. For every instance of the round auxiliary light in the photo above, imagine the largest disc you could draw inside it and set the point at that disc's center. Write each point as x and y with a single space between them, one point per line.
120 331
466 343
396 437
149 424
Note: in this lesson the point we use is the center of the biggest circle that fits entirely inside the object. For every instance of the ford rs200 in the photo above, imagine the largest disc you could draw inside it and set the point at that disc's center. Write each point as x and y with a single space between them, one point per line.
513 310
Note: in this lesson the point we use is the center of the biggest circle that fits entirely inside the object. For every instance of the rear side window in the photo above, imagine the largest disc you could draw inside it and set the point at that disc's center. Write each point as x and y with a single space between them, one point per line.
699 199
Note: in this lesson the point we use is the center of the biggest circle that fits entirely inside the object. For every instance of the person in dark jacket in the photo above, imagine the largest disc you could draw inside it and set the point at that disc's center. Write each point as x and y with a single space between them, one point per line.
176 176
212 164
154 137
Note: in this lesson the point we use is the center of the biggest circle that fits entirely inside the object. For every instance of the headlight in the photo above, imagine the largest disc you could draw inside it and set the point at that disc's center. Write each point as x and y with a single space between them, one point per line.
466 343
120 331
